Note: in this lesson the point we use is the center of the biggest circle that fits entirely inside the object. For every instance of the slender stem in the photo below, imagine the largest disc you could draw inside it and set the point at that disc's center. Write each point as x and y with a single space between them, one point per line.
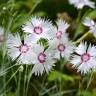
18 89
3 66
9 80
89 82
33 8
61 62
28 81
79 16
24 89
81 81
5 71
81 38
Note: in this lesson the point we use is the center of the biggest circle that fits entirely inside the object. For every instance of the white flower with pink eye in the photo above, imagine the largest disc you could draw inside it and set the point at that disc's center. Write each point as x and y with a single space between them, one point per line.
43 60
2 37
60 31
21 50
61 47
81 3
85 58
39 28
91 24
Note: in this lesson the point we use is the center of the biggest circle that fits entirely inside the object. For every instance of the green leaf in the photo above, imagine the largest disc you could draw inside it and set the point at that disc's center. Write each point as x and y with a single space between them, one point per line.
92 14
19 20
79 30
55 75
11 94
85 93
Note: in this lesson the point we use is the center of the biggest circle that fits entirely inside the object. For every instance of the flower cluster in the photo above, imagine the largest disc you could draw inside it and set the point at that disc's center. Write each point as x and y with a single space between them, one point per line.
28 50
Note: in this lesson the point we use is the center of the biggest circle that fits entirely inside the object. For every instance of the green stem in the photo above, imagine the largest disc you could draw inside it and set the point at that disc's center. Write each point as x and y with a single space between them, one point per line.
33 8
25 79
89 82
61 63
28 81
18 89
79 16
9 80
81 38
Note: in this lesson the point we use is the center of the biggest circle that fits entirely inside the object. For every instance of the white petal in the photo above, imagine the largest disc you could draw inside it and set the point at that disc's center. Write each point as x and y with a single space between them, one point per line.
13 53
28 57
81 49
30 40
37 48
62 25
88 22
93 30
38 69
68 50
83 69
92 50
73 1
13 40
90 4
28 28
48 66
76 60
79 5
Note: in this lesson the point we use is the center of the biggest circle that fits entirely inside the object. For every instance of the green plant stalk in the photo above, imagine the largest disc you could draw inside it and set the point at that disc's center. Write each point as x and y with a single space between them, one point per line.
25 79
89 82
28 81
4 72
9 80
18 89
4 51
82 38
61 63
33 8
80 86
79 16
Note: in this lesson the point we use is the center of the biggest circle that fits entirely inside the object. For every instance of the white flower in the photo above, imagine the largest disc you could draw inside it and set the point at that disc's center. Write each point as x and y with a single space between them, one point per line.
62 25
2 37
85 58
81 3
39 28
43 60
60 31
91 24
61 47
21 50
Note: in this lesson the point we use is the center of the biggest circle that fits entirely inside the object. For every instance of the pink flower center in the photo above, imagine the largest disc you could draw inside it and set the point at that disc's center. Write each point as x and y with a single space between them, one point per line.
42 57
38 30
58 34
2 38
61 47
23 48
85 57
